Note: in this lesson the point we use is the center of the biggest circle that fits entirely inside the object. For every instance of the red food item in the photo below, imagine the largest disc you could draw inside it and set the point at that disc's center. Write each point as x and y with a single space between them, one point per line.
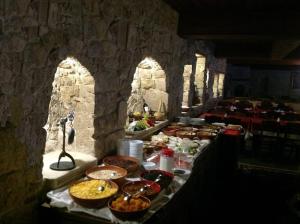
232 132
167 152
150 122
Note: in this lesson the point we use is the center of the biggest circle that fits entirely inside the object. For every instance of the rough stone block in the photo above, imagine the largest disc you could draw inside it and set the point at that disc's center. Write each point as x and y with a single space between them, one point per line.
160 84
1 26
144 73
122 113
159 74
88 80
153 97
13 188
147 83
186 86
136 84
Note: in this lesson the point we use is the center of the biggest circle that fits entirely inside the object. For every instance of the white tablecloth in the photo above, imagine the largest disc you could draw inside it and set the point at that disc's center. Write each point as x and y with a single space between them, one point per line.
60 198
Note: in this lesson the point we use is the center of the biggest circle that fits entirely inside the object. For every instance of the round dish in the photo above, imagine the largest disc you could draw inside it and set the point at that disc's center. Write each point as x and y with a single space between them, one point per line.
131 164
149 165
107 172
181 172
135 209
88 193
186 134
165 179
151 191
170 131
206 135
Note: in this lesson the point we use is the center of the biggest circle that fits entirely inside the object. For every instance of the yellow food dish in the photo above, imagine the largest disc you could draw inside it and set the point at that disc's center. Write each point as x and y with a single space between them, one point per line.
93 189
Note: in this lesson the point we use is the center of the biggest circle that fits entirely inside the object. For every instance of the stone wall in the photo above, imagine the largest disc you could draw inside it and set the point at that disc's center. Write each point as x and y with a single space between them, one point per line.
187 86
148 86
109 38
200 79
261 82
200 69
73 91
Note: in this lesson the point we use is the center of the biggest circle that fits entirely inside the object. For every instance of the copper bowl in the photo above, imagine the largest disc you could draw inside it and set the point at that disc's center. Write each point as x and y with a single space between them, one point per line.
186 134
192 129
206 135
151 191
96 202
118 178
170 131
131 164
129 215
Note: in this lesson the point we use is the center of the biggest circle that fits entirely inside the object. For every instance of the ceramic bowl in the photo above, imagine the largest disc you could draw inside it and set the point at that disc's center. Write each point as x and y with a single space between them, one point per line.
121 209
86 192
151 191
107 172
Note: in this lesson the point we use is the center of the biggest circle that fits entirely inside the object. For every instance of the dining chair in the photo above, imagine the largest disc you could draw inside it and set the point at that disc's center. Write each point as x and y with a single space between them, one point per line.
291 141
267 140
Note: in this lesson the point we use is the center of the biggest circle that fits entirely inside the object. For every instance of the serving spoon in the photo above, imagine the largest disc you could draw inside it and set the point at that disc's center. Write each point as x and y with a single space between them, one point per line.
101 188
142 189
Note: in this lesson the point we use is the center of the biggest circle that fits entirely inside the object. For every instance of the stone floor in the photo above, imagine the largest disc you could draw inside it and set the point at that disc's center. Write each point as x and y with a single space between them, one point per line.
261 191
258 196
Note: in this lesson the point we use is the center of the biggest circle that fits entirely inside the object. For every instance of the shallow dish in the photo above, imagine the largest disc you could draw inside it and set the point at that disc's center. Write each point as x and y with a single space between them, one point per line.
125 211
152 189
170 131
206 135
131 164
88 193
165 179
107 172
181 172
186 134
149 165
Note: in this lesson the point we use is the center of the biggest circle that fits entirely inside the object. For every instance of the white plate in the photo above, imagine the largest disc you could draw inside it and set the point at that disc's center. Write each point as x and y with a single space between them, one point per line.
149 165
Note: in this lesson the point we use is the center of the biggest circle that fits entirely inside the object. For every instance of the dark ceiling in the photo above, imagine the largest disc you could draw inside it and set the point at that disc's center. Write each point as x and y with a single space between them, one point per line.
248 32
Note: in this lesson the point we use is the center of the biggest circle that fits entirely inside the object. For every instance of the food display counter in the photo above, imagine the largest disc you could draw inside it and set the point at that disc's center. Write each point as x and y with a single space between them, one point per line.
191 192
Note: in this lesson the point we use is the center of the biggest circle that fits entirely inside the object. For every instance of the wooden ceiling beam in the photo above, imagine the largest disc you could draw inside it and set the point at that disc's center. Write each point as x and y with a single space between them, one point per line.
255 61
242 50
231 25
283 48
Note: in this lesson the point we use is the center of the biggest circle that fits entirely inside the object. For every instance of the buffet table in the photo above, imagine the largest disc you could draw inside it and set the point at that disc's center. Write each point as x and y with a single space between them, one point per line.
61 209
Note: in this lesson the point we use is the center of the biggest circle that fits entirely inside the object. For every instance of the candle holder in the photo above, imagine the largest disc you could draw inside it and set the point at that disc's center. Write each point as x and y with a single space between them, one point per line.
65 165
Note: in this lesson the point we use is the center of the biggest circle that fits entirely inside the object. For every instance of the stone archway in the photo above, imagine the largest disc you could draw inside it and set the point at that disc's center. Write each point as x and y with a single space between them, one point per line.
200 79
148 86
73 90
187 86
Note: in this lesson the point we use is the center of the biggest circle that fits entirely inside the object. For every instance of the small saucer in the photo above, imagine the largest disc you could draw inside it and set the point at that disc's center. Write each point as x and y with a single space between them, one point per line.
149 165
181 172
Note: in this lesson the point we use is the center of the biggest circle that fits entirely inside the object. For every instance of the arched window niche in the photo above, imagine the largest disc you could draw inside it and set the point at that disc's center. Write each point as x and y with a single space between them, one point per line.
187 86
73 91
200 82
148 87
